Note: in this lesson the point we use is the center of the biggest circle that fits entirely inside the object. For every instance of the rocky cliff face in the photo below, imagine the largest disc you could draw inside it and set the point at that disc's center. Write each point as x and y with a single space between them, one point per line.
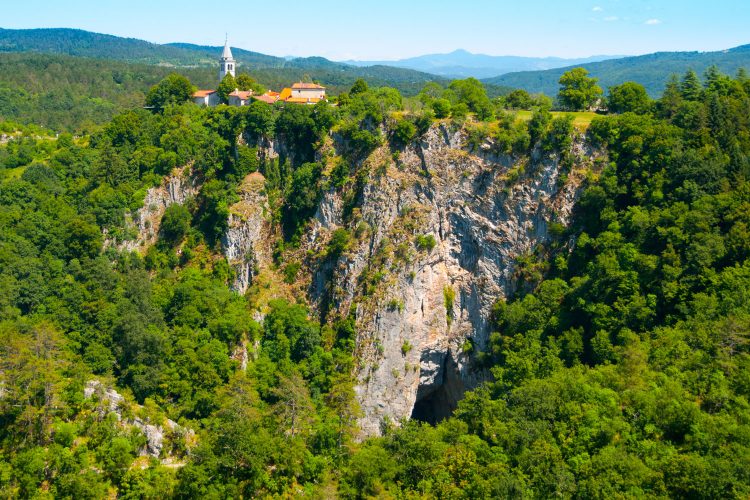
443 229
437 234
247 242
180 185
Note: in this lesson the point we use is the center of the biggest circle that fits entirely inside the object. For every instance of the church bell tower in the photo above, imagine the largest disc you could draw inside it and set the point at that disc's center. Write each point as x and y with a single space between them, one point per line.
226 63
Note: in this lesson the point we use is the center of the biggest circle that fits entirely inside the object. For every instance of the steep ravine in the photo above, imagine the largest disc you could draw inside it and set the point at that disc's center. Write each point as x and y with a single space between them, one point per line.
423 312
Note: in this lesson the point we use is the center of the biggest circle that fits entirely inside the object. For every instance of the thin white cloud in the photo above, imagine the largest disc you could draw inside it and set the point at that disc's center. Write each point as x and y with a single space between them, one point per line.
609 19
597 9
653 22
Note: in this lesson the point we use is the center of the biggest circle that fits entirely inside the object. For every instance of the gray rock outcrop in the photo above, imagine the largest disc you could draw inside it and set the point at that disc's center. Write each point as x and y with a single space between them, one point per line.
111 401
429 309
180 185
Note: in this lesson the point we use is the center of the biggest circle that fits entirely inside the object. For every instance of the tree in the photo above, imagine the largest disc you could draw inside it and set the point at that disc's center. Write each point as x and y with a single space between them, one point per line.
360 87
304 192
671 99
442 108
471 92
691 87
83 238
226 87
175 222
629 97
578 91
404 132
247 82
174 89
518 99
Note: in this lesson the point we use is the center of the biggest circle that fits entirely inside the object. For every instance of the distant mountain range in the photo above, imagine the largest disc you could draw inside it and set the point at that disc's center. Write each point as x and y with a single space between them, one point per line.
652 70
462 64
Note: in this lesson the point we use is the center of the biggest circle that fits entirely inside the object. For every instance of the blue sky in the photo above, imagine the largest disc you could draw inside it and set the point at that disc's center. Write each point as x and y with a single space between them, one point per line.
392 29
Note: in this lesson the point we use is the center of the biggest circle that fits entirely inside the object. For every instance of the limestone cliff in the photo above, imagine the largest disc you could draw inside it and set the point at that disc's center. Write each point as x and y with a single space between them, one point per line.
177 187
437 232
443 229
247 241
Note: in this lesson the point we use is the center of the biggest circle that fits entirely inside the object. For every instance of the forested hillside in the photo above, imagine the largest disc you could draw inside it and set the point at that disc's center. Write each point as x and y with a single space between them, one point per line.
77 94
651 70
276 72
618 367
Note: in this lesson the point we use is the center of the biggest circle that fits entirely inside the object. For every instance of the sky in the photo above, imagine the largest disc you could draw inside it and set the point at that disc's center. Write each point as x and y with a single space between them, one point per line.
395 29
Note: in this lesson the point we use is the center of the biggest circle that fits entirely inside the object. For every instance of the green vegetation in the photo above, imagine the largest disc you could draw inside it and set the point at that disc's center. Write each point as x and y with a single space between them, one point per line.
406 347
449 297
619 369
174 89
578 91
425 242
628 97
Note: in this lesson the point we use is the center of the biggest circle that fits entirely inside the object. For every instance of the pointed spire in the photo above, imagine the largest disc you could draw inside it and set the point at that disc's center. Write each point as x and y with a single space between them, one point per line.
227 54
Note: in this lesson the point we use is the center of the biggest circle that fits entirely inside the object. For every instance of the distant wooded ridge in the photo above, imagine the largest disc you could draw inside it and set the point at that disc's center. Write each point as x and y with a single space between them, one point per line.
408 75
651 70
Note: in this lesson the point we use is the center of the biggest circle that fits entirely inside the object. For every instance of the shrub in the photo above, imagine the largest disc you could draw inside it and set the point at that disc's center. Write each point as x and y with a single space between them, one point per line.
426 242
290 272
404 132
449 297
441 108
340 241
396 305
406 347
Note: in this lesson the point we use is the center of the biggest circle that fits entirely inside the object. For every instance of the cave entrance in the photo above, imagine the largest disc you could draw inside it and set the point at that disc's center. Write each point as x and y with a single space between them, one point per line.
436 402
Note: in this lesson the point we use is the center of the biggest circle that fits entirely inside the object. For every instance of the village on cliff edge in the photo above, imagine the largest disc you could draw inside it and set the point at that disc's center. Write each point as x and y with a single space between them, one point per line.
299 93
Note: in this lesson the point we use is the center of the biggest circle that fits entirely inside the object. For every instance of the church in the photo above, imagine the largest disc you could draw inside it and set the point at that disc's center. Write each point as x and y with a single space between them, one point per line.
298 93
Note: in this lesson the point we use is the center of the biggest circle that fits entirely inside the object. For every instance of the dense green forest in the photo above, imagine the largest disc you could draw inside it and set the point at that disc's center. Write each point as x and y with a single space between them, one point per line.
621 368
78 94
197 61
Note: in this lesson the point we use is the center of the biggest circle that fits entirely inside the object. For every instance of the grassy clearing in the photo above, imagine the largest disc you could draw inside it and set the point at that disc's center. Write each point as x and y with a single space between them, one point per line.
581 119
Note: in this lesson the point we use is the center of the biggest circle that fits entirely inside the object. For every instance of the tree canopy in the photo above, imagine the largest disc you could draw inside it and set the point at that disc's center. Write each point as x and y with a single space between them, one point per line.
578 91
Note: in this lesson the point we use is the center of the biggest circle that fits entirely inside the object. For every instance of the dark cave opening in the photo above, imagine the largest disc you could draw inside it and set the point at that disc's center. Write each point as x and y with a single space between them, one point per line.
437 402
435 407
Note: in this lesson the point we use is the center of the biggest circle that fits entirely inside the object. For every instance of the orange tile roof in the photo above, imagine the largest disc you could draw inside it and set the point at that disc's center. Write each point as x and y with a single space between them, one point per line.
242 94
203 93
285 94
302 85
272 93
266 98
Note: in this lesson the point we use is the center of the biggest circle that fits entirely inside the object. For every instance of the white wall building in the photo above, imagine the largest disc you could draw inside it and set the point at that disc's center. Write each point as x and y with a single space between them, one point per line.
206 97
310 91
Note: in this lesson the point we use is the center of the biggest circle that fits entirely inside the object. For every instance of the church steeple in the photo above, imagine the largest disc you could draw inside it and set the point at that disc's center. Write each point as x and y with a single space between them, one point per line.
226 63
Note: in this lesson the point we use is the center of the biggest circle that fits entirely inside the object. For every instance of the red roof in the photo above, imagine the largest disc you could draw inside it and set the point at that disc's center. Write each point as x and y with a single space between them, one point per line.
266 98
242 94
301 85
203 93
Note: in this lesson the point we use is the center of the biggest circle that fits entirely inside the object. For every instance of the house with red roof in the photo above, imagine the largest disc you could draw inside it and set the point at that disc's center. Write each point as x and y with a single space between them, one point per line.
206 97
